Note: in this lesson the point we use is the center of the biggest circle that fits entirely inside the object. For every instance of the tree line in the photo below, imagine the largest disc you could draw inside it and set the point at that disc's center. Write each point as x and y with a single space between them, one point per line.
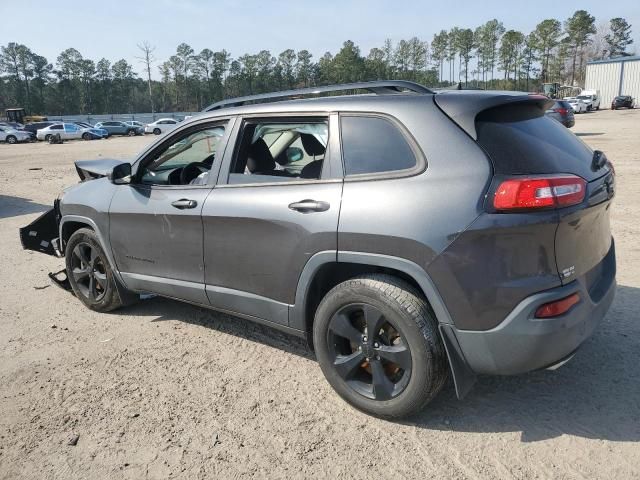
488 56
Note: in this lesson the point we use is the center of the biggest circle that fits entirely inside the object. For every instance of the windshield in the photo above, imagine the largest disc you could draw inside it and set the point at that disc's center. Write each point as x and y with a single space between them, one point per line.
584 97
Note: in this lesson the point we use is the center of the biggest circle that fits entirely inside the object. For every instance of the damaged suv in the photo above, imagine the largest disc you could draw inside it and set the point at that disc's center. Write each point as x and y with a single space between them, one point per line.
407 235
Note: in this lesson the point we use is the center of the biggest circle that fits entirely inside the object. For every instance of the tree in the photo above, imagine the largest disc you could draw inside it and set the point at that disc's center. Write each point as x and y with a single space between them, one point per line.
619 39
529 56
304 67
509 54
185 53
287 61
147 59
578 29
348 64
439 50
466 44
547 34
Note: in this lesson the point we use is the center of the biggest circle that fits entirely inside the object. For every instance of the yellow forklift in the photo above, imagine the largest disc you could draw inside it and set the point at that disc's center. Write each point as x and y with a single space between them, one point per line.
17 115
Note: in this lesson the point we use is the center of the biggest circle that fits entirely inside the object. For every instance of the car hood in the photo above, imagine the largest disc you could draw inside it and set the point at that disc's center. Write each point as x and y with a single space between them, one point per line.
91 169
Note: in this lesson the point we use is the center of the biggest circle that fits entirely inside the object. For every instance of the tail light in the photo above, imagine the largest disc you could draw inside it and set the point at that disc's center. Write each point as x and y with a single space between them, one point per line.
541 192
561 111
557 308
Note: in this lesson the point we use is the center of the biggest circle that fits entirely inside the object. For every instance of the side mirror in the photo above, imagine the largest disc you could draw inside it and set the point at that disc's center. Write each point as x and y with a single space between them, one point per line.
121 174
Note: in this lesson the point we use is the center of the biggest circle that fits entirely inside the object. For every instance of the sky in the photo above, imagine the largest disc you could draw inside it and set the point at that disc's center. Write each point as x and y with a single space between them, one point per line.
112 28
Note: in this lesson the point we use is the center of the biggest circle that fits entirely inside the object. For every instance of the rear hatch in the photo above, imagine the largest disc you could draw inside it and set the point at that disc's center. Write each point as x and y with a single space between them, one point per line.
522 142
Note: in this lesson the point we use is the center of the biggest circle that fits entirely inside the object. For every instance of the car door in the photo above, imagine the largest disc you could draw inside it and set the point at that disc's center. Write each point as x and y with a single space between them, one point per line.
155 226
262 223
71 132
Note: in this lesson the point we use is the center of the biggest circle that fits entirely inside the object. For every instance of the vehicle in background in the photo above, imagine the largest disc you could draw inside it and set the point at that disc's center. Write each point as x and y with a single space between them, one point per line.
12 136
622 101
14 125
134 123
17 115
119 128
70 131
34 127
591 98
562 112
577 105
103 132
161 126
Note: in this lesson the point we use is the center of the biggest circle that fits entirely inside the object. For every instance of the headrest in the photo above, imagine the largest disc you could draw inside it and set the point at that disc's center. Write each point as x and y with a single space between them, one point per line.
260 159
311 145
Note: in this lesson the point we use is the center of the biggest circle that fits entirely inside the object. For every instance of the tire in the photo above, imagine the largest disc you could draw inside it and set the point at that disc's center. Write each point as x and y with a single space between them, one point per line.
598 108
157 131
11 139
407 333
47 138
90 274
131 133
86 136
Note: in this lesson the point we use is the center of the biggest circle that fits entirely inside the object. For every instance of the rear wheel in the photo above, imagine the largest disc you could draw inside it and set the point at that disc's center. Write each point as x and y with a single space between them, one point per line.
90 274
11 139
377 343
157 131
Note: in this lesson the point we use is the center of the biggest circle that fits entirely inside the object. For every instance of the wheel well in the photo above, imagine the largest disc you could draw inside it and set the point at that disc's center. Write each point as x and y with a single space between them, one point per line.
331 274
69 228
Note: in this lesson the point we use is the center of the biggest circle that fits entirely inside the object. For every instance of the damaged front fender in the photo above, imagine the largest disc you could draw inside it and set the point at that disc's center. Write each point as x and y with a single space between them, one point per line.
42 235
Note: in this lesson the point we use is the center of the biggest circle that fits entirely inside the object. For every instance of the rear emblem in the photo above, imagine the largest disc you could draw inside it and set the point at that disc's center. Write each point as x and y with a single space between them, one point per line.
567 272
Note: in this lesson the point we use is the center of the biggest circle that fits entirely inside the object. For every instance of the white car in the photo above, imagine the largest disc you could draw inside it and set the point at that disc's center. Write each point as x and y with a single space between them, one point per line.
12 136
591 98
578 105
161 126
70 131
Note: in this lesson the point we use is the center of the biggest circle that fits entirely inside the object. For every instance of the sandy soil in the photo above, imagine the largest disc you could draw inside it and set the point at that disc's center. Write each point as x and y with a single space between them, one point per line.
164 389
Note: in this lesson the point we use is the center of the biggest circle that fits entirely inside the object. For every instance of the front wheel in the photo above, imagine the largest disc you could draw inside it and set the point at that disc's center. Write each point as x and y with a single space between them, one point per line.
131 133
377 343
86 136
12 139
90 274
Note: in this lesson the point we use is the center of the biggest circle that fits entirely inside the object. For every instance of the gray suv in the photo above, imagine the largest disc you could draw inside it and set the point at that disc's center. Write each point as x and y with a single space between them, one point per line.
407 235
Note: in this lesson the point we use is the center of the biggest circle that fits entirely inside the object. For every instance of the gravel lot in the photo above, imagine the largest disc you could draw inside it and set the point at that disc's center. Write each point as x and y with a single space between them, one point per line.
165 389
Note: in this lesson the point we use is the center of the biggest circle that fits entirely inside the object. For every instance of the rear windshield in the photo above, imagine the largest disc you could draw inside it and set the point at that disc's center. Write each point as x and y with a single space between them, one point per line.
519 139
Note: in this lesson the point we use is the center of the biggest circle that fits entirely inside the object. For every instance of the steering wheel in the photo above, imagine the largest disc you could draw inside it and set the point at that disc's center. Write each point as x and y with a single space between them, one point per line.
191 171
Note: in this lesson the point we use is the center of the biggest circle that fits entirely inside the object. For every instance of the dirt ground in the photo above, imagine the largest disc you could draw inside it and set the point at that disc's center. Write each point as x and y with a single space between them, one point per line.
164 389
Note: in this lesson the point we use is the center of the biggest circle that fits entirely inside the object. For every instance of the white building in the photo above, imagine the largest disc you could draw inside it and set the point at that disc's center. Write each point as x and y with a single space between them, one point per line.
613 77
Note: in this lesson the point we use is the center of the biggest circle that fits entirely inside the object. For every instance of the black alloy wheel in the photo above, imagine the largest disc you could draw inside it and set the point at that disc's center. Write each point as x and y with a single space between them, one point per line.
368 352
89 272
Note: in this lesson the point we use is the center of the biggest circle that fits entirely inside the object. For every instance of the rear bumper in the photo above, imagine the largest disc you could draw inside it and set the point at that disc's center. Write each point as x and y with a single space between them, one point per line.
522 343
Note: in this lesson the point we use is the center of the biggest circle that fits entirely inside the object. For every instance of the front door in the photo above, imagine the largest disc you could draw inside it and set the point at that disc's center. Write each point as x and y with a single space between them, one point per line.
275 206
155 224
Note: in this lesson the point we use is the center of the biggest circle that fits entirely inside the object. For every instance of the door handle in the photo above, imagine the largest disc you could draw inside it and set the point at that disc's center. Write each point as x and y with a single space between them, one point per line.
184 203
307 206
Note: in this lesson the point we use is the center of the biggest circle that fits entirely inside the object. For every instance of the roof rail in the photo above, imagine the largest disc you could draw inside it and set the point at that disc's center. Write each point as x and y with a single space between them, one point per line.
379 87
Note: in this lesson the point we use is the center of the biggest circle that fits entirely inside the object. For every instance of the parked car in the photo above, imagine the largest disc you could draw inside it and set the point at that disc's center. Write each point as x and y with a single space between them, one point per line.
120 128
104 133
134 123
408 236
14 125
161 126
577 105
69 131
561 111
622 101
35 126
11 135
591 98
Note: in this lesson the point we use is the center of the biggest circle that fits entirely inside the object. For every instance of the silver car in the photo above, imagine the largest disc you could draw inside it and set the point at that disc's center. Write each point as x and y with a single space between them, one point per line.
69 131
11 135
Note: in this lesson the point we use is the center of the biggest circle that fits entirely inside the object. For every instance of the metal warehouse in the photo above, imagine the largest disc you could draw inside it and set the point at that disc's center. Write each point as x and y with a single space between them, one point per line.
614 76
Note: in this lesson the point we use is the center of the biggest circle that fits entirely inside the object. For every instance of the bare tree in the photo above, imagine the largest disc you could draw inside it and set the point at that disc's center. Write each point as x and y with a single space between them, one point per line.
147 59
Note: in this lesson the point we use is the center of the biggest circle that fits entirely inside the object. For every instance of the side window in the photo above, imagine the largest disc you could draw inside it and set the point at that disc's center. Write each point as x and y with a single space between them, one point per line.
280 151
56 127
68 127
186 160
374 145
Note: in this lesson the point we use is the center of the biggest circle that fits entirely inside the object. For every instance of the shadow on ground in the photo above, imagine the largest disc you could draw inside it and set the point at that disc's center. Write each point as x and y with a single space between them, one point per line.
589 134
16 206
596 395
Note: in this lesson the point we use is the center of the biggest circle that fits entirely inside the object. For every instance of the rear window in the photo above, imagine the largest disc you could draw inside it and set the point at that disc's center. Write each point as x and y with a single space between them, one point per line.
374 145
521 140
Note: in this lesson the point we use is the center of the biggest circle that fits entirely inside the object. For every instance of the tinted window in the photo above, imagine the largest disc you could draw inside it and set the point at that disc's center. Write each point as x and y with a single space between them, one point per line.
374 145
520 140
56 127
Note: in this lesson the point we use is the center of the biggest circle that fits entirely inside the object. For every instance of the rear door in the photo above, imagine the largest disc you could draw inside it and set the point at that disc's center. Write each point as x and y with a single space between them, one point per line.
264 220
